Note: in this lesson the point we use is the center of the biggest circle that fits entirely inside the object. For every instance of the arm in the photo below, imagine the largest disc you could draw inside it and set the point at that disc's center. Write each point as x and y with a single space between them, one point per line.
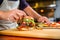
25 7
32 13
35 15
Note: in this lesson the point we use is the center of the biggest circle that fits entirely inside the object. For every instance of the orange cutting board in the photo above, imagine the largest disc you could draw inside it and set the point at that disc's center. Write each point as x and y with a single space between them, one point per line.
45 33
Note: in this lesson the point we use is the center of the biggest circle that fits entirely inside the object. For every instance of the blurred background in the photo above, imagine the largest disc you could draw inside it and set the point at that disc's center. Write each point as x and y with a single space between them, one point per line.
44 7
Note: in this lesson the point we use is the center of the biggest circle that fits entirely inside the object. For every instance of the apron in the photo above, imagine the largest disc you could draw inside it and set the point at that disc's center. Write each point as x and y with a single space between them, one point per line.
5 6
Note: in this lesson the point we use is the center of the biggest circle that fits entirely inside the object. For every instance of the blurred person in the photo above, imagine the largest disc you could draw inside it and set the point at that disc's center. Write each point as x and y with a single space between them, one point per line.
50 16
57 11
10 14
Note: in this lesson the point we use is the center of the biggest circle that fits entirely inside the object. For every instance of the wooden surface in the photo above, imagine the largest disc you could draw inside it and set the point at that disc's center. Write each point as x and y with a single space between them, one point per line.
45 33
2 37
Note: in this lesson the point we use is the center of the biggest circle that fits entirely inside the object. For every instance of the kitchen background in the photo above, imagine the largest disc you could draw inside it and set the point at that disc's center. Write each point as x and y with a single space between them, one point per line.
43 7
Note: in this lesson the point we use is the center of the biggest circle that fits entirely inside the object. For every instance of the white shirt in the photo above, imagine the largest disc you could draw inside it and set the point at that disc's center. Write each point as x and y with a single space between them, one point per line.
5 6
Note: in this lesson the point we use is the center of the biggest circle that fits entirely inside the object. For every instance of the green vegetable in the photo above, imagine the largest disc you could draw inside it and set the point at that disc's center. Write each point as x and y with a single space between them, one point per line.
28 21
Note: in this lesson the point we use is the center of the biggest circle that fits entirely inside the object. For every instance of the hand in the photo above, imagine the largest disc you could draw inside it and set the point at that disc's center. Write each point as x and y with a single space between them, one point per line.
44 19
13 15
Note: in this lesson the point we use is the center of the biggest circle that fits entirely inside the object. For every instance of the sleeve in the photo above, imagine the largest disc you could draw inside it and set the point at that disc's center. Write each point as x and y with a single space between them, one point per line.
1 2
23 4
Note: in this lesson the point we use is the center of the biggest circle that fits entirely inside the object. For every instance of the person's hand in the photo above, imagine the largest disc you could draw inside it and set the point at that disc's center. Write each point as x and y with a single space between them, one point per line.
44 20
13 15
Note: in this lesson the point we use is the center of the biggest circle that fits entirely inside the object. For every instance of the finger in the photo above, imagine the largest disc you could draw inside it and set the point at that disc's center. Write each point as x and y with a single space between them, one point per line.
47 21
12 19
16 17
41 20
19 11
20 19
20 15
24 13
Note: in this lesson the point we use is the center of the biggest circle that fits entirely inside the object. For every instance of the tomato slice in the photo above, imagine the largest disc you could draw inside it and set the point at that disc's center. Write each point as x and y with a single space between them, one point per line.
53 24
